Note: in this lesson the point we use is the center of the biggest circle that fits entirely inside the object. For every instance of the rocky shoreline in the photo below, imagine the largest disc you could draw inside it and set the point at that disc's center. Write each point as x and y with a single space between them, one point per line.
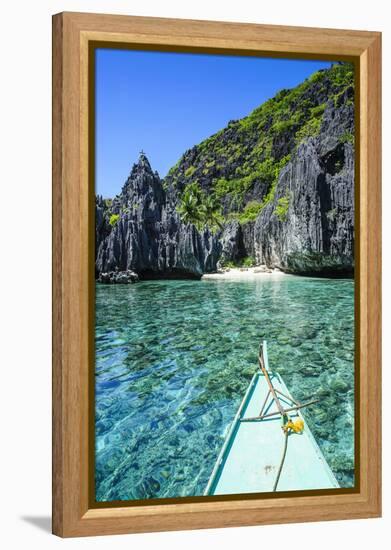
118 277
245 273
130 277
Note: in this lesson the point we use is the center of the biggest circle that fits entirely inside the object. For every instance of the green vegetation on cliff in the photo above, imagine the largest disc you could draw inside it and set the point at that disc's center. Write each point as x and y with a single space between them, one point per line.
200 209
238 167
281 210
113 219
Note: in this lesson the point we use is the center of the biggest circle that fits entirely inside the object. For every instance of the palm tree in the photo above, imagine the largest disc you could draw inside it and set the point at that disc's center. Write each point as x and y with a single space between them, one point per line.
190 208
199 209
211 212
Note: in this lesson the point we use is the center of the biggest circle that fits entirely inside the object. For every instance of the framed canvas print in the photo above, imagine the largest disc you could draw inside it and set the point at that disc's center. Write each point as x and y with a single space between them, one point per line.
216 274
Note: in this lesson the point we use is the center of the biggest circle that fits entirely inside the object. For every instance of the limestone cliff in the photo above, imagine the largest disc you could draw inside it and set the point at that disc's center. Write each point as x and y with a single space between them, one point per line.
146 234
274 188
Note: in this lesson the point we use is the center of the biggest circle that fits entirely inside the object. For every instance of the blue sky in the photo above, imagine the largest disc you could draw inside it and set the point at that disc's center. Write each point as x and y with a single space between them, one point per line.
164 103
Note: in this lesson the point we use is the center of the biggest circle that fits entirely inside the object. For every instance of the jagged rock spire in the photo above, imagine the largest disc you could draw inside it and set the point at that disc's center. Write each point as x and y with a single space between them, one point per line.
143 162
143 185
141 167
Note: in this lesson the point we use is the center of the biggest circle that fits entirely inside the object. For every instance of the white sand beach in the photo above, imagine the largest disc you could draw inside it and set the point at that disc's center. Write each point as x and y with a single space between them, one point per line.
247 273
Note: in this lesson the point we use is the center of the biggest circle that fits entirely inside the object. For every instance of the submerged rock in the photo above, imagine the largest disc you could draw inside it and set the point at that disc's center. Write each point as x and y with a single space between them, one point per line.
339 385
118 277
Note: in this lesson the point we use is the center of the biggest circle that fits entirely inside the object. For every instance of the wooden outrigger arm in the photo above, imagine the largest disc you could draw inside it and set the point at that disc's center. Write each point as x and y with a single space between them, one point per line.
273 392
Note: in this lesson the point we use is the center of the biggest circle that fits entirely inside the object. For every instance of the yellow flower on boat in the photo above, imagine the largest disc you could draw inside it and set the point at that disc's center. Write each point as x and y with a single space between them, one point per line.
297 426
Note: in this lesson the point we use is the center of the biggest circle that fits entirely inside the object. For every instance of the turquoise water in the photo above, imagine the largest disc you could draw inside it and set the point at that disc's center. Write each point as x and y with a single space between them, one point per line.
174 358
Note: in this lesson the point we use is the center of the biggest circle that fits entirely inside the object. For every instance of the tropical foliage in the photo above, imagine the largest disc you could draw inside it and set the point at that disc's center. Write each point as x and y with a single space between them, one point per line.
200 209
113 219
281 210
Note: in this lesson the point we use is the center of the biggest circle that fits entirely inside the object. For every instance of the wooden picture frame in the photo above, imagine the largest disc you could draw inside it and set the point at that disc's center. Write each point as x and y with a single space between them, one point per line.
73 34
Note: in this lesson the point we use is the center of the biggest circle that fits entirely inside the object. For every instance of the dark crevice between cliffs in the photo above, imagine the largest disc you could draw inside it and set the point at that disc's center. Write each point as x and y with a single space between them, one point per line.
325 206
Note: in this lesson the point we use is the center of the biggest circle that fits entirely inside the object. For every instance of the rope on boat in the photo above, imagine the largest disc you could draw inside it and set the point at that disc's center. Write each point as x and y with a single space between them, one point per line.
288 426
282 461
297 427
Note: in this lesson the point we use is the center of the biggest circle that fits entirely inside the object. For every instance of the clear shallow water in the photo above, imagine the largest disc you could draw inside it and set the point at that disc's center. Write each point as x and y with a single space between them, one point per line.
174 358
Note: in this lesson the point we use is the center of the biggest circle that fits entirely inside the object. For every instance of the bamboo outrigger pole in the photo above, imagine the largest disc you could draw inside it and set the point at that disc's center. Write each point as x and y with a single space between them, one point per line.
273 392
261 362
